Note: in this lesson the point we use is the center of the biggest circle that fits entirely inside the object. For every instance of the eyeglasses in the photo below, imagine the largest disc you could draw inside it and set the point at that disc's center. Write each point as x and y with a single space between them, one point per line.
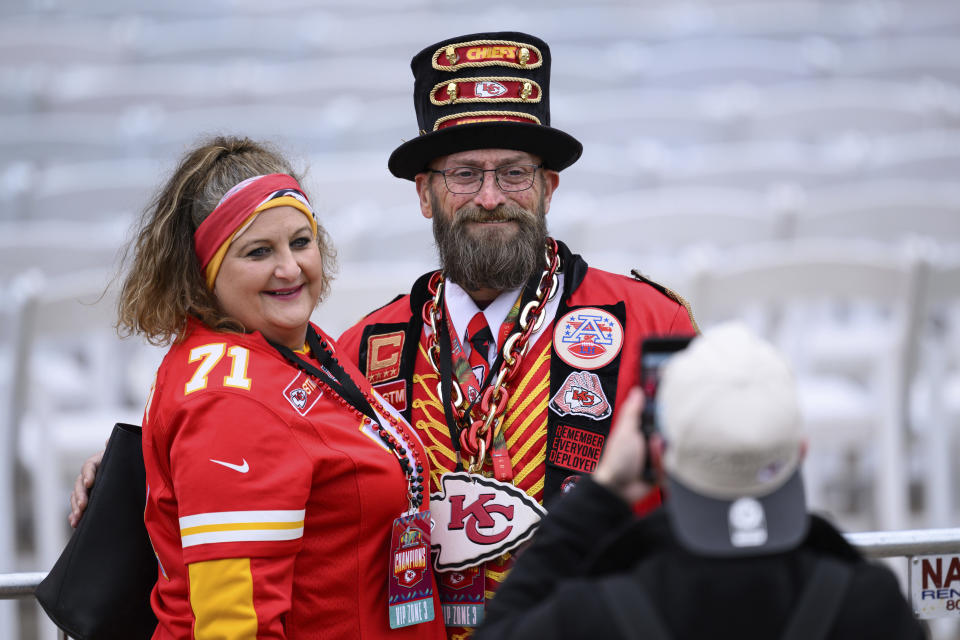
509 177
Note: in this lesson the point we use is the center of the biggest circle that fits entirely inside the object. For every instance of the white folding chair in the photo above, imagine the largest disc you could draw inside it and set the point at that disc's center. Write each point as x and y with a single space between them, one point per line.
13 294
779 289
938 388
55 247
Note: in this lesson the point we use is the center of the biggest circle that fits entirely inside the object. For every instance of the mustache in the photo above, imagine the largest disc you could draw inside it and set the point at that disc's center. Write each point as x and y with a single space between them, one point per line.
502 213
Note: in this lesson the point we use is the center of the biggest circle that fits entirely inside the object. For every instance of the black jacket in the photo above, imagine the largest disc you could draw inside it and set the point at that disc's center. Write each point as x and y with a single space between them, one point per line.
591 535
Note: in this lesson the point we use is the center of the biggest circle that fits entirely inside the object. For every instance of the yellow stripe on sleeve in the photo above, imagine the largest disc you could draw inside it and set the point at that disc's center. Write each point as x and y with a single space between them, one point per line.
221 596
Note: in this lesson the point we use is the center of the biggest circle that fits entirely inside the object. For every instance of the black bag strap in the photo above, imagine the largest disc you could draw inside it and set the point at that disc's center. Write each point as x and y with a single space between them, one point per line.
812 619
633 613
820 601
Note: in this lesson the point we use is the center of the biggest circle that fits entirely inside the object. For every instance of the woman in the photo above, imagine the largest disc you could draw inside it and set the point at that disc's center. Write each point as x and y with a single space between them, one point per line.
276 476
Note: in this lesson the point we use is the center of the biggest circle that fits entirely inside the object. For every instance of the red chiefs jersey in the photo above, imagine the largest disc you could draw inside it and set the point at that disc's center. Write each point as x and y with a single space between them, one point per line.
247 457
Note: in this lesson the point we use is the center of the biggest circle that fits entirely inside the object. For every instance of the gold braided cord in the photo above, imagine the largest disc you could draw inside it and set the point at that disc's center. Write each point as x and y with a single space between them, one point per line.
537 486
524 427
670 293
435 449
428 428
539 429
443 85
435 445
485 63
473 114
536 463
437 469
433 400
514 408
499 576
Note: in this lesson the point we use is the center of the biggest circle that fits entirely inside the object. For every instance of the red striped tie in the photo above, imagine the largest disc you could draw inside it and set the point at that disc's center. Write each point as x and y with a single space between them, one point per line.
480 338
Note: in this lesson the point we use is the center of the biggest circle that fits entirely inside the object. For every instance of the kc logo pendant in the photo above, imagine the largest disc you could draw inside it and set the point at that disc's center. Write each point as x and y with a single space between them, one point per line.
477 519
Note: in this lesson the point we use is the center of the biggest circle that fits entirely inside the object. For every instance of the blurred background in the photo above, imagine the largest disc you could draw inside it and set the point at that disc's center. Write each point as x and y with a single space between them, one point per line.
789 163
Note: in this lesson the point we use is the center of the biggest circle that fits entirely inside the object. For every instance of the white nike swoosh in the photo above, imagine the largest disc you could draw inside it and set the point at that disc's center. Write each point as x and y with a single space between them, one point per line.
242 468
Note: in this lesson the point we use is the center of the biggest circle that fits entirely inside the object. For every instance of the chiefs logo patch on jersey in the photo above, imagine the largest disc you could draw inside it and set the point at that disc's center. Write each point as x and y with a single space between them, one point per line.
581 394
302 393
588 338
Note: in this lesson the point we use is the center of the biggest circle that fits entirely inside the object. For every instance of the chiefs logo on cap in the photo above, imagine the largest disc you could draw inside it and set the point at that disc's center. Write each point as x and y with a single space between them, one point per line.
485 89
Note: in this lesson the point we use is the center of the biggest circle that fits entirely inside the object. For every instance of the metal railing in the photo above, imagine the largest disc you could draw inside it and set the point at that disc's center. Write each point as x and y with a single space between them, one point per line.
872 544
914 542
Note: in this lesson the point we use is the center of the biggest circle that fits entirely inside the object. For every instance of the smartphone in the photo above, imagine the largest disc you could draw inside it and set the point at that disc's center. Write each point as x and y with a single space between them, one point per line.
654 353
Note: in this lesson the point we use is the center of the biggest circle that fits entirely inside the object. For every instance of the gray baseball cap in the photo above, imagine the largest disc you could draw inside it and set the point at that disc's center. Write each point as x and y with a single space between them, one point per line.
729 412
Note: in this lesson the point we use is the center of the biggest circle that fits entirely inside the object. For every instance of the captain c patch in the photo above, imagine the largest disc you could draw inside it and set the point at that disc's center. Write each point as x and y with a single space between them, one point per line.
383 356
588 338
581 394
576 449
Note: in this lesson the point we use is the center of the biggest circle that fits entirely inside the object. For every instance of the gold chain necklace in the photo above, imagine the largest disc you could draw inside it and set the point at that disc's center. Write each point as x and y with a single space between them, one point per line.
476 437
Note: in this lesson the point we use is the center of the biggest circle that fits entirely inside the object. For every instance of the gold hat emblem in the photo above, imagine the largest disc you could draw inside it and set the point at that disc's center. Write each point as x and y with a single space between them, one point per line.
526 90
452 92
524 56
452 56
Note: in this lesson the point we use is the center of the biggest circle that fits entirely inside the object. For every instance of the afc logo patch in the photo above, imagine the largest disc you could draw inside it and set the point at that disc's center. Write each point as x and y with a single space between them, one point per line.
383 356
588 338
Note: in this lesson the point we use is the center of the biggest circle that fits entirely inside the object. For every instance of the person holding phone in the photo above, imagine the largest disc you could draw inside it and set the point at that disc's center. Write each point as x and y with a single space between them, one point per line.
732 553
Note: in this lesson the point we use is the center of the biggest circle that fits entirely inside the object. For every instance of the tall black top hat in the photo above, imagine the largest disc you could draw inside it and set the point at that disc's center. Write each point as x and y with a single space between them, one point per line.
483 91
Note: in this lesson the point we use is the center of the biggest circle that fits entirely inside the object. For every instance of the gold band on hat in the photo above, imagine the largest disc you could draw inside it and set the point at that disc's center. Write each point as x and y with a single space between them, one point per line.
470 117
526 90
485 53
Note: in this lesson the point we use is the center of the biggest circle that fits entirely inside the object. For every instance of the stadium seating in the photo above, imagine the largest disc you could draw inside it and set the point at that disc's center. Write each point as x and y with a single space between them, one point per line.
712 131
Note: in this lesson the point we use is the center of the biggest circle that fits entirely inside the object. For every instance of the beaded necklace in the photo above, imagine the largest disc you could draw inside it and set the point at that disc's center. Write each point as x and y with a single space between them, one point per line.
367 407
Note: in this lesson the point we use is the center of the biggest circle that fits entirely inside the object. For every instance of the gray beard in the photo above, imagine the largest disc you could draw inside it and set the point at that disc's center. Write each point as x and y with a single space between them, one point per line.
491 259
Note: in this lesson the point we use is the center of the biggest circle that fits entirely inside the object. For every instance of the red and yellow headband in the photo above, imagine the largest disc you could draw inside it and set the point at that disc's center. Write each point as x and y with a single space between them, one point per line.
237 209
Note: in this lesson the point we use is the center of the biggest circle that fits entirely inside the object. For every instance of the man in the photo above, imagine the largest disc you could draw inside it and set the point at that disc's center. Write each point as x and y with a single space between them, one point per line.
512 359
733 553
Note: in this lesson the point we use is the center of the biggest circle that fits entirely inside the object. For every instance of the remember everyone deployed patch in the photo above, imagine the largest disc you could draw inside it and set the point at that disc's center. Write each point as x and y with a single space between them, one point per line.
577 449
